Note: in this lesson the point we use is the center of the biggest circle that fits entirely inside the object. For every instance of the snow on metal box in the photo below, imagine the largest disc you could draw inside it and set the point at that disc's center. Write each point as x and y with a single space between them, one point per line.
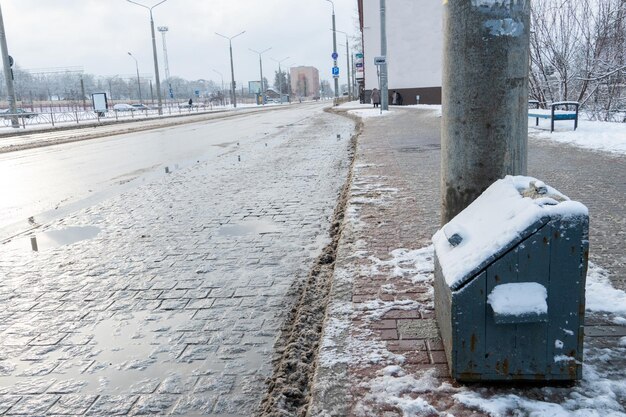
509 284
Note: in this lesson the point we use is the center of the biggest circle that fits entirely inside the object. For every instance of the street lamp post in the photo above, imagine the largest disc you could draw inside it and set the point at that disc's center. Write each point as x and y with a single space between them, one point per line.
8 74
154 51
384 80
232 69
261 68
335 49
138 79
280 77
222 77
347 64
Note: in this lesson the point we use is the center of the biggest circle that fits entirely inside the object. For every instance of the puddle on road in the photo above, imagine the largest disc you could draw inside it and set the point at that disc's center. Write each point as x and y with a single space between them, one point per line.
53 238
258 227
126 354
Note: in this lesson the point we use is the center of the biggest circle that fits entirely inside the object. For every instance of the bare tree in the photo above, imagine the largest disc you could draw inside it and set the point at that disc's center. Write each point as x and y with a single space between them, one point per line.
577 53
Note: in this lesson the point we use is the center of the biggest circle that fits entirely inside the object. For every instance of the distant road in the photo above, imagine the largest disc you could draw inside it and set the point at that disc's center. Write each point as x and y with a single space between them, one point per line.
46 182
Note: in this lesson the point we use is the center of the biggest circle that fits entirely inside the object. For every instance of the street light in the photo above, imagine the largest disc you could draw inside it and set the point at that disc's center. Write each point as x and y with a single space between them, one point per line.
280 77
232 69
347 63
334 50
138 80
261 67
154 51
222 77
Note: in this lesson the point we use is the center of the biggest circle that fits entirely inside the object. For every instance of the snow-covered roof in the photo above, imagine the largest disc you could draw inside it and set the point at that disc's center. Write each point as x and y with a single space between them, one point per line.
495 222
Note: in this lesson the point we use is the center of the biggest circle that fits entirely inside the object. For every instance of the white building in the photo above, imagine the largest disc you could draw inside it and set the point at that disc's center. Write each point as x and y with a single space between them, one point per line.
414 47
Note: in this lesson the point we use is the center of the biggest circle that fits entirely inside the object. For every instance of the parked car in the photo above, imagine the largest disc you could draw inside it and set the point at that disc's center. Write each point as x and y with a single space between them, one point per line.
140 107
6 114
123 107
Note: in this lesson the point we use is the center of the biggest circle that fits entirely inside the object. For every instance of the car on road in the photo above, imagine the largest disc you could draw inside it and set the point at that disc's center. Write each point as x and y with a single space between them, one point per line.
123 107
140 107
6 113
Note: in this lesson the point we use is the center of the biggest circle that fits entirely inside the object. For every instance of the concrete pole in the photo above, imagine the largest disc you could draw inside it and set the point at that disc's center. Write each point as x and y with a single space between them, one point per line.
348 68
484 131
335 51
232 74
280 83
384 87
156 65
8 73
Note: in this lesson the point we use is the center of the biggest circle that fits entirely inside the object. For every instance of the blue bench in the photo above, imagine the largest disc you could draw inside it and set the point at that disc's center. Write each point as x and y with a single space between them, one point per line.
562 110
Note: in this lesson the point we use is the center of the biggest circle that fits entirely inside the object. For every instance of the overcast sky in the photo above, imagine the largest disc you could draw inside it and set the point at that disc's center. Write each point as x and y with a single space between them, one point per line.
97 34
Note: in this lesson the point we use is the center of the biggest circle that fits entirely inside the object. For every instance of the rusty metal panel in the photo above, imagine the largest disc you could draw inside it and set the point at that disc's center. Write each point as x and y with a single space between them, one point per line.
566 304
501 355
469 335
534 264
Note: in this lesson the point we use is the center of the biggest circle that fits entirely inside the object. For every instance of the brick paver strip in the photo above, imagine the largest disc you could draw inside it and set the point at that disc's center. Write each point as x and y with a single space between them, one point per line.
395 204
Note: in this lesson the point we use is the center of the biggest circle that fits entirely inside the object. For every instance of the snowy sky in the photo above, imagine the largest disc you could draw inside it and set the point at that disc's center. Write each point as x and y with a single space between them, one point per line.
97 34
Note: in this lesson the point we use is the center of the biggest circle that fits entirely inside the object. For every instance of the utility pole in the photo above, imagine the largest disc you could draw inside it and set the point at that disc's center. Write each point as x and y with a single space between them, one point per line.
484 131
138 79
154 52
262 92
232 68
335 50
347 64
280 77
7 62
384 88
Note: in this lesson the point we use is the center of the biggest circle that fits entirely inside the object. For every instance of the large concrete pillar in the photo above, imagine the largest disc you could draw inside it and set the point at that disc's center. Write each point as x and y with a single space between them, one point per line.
485 97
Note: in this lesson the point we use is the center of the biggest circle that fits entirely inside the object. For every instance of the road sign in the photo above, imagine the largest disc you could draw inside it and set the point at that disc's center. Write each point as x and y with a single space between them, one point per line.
10 61
335 55
380 60
335 72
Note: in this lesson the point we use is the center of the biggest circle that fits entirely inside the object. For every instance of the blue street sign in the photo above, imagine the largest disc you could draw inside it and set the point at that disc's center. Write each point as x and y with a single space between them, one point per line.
335 72
335 55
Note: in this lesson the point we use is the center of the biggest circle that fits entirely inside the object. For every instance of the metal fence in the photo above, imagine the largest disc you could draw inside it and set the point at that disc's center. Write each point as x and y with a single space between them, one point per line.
54 118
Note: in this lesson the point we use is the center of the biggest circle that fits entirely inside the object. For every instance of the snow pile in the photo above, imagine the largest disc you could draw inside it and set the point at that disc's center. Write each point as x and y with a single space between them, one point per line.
519 299
493 221
360 347
370 113
601 136
600 295
393 387
404 263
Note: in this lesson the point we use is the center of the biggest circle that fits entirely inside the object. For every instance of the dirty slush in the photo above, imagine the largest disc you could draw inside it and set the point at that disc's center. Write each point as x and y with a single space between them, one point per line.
296 349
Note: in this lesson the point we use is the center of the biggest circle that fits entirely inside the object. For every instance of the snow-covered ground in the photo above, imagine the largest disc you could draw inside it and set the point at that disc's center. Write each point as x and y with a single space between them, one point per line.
593 135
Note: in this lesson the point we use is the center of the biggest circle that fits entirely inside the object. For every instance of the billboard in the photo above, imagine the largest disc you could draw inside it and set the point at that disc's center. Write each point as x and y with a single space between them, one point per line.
254 87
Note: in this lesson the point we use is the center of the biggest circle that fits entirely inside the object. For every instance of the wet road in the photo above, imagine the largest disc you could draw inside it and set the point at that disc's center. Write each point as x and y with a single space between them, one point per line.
168 297
49 182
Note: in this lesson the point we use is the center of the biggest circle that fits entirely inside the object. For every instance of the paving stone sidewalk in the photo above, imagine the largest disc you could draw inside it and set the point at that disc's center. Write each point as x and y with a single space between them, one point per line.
380 322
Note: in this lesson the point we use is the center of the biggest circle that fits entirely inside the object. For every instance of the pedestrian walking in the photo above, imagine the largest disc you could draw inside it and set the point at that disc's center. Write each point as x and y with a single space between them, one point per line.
376 97
396 98
190 102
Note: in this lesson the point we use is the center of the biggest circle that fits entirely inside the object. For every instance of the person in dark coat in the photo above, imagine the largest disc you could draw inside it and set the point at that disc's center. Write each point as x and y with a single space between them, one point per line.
190 102
396 98
376 97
